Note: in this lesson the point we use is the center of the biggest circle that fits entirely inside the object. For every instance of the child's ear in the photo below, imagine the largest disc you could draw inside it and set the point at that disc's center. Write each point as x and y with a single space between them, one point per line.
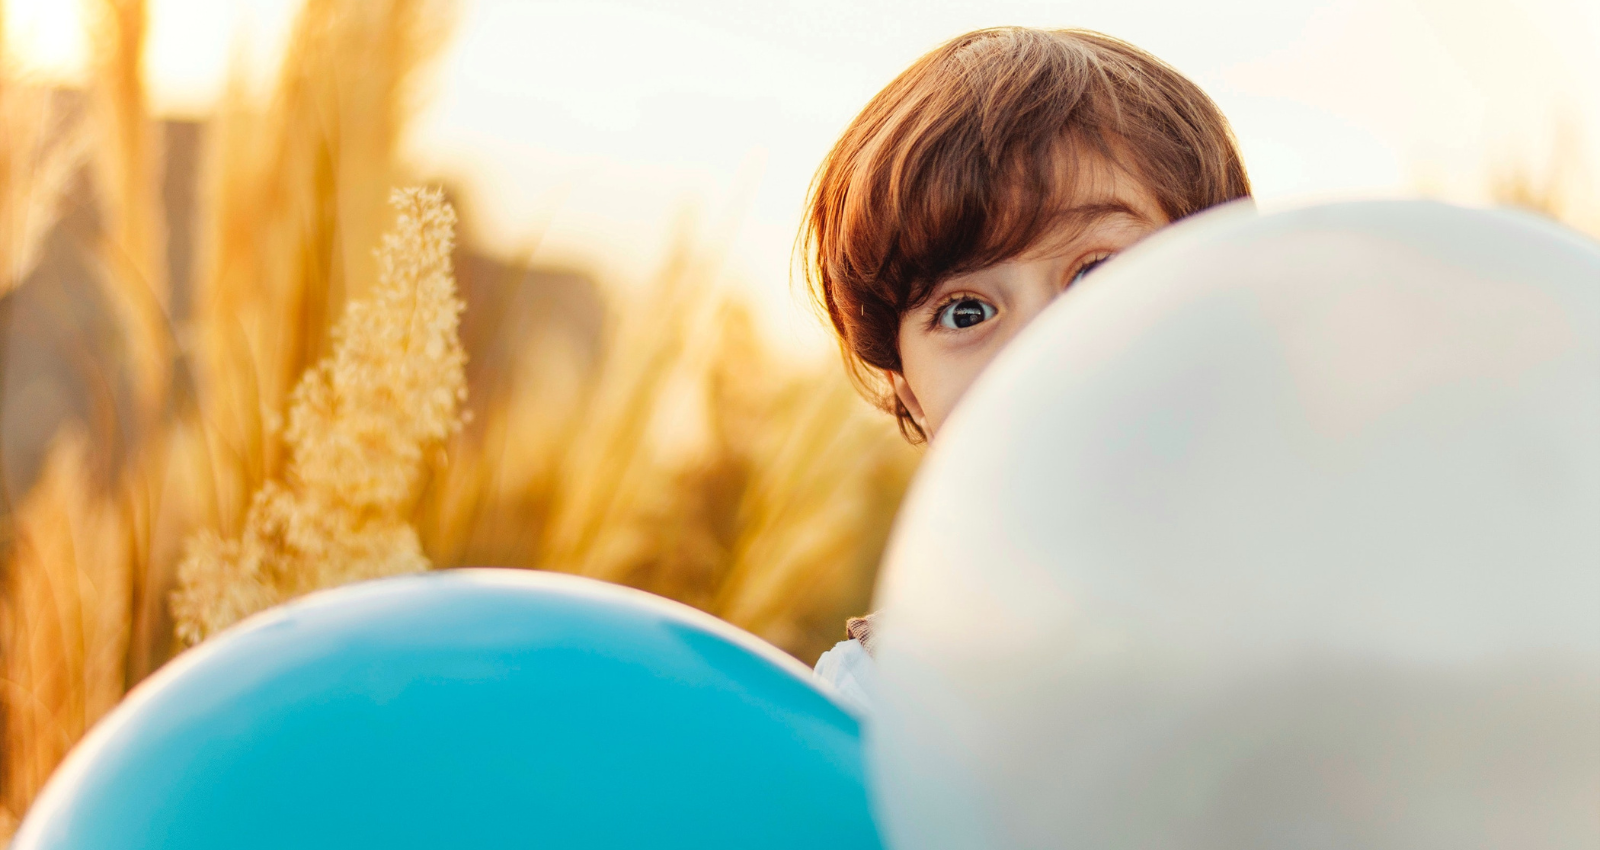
903 391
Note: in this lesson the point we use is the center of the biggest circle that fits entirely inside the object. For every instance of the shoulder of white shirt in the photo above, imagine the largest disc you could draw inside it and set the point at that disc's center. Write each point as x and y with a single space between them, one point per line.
851 674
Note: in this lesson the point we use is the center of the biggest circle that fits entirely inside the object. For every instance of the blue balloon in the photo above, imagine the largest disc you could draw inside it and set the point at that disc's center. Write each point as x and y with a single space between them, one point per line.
469 708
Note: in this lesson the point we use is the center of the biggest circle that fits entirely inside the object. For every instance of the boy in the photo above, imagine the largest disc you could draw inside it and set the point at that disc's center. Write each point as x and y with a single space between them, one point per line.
985 180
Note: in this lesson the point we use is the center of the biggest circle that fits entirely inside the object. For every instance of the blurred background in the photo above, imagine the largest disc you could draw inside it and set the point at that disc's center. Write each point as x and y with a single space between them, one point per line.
194 191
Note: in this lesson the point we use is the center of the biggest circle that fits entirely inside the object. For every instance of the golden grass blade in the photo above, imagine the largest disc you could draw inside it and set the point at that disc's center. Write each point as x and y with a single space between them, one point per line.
489 497
610 469
126 154
814 520
710 471
42 145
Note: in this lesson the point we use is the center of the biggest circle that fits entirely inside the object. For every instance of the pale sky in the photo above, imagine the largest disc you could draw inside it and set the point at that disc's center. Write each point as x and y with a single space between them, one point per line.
594 123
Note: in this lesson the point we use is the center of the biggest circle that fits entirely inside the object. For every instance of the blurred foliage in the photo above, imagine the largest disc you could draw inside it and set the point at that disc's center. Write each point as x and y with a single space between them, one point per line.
166 460
1561 187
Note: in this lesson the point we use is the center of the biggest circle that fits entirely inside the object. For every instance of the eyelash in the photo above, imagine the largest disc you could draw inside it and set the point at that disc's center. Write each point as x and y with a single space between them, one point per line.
1089 265
949 301
954 298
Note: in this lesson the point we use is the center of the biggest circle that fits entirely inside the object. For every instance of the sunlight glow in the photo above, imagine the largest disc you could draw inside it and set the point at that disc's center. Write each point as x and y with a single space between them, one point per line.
587 128
46 37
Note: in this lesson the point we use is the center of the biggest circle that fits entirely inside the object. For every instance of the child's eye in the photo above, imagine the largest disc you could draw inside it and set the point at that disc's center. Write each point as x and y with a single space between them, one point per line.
964 313
1084 270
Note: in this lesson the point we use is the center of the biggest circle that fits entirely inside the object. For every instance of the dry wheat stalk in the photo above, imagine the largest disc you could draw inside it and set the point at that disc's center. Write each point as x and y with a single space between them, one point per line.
710 471
815 517
608 463
127 172
360 426
41 146
65 619
643 488
489 499
62 612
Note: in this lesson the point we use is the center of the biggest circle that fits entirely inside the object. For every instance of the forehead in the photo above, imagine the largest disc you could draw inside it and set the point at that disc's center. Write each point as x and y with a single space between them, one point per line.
984 210
1093 189
1098 178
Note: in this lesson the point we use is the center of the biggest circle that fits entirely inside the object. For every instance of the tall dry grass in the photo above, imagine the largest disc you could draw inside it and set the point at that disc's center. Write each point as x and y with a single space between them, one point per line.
298 428
294 203
41 146
127 177
711 471
65 620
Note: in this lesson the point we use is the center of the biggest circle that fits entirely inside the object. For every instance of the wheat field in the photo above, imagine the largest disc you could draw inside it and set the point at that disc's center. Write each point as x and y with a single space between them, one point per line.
322 401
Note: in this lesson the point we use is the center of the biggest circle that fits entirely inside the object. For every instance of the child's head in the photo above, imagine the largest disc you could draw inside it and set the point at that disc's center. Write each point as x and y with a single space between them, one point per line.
985 179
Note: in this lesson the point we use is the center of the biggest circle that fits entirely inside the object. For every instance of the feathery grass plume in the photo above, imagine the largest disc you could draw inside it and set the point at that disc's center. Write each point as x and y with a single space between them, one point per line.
360 426
64 620
295 199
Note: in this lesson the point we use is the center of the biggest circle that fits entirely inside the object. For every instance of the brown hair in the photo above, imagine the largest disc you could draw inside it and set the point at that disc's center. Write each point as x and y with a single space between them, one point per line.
965 159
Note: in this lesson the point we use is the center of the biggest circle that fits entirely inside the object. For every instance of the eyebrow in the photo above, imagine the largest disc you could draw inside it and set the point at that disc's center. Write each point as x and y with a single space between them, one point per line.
1081 216
1104 209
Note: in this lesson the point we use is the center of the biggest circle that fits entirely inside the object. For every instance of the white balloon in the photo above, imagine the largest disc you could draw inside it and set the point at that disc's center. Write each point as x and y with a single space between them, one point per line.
1279 532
